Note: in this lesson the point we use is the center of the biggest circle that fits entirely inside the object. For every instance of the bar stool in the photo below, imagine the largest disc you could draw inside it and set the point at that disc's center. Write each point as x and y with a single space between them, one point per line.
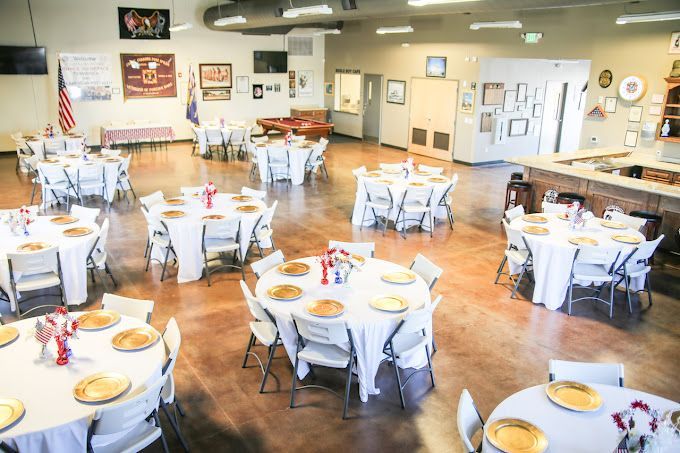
653 223
569 197
516 175
521 191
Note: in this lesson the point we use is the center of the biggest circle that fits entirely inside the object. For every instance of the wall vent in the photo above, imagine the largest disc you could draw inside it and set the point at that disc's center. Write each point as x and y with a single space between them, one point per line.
300 46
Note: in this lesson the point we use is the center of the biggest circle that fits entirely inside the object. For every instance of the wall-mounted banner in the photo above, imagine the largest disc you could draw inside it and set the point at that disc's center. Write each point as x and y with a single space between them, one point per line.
140 23
87 75
148 75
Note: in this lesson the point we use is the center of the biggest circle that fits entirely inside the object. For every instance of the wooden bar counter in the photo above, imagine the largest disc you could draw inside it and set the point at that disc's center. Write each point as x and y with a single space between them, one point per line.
607 176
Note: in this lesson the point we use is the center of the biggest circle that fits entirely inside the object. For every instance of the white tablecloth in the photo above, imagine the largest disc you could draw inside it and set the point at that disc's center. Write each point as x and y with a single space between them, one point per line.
111 171
370 327
72 254
397 189
72 142
186 232
136 132
54 420
553 255
571 431
298 154
203 138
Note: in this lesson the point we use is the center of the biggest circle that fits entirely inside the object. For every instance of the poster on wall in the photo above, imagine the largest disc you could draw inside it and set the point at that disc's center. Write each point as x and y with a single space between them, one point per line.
467 103
435 67
674 46
305 83
396 91
148 75
87 75
258 92
215 75
141 23
242 84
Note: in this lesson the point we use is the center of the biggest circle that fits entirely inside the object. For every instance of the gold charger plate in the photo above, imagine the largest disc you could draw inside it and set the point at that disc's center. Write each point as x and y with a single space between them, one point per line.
400 277
135 339
294 268
64 219
626 238
49 161
174 201
437 179
173 214
11 410
531 229
77 232
242 198
562 216
326 308
213 217
7 335
33 246
284 292
112 159
574 395
583 240
392 172
422 173
614 225
72 156
358 258
417 184
196 195
371 174
391 303
248 208
384 181
532 218
101 387
98 319
513 435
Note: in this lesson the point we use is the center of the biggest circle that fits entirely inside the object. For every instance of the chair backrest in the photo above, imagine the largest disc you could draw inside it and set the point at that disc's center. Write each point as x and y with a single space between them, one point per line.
429 271
419 194
317 151
214 135
260 194
512 214
324 332
375 190
248 133
37 147
237 135
469 421
32 163
136 308
103 236
391 167
124 167
227 228
267 263
554 208
54 145
18 135
153 223
324 142
254 305
585 372
188 191
46 260
415 321
433 170
359 171
266 219
261 139
85 214
595 254
277 154
200 133
52 174
110 152
454 182
172 339
298 138
645 250
123 416
226 134
152 199
513 236
606 214
635 223
358 248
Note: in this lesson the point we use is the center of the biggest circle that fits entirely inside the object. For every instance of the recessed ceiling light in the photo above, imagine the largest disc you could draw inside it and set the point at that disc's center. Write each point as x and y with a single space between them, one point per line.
498 24
405 44
648 17
400 29
316 10
333 31
437 2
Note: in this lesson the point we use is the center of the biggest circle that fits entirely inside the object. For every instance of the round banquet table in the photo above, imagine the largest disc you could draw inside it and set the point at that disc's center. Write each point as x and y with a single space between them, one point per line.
397 186
186 232
202 138
54 420
572 431
298 154
553 255
73 253
370 327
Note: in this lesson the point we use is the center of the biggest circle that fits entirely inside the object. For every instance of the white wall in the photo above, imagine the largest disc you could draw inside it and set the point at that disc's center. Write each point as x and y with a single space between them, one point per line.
29 102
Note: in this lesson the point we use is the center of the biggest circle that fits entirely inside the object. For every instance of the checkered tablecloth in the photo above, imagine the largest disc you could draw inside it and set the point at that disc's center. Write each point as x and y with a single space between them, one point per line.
136 132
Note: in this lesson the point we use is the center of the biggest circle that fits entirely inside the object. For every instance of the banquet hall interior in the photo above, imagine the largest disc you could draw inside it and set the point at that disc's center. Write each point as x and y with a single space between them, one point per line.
321 225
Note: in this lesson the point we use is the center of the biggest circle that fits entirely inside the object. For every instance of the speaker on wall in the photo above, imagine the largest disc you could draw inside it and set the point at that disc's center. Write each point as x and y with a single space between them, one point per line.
349 4
278 12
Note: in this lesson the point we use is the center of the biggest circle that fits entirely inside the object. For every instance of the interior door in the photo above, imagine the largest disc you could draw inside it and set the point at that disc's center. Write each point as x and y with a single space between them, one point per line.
553 112
433 117
371 108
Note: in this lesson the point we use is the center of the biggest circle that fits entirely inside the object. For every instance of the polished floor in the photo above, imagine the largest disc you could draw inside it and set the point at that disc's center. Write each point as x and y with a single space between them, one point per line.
488 343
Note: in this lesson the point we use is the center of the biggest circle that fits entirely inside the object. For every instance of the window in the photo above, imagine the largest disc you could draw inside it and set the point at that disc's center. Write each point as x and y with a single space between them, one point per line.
347 93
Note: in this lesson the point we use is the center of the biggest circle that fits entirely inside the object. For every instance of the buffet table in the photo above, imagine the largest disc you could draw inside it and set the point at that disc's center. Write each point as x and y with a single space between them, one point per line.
110 135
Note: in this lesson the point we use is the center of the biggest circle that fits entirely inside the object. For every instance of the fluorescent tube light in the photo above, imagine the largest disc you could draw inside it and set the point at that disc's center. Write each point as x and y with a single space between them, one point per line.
229 20
400 29
648 17
333 31
316 10
437 2
180 27
499 24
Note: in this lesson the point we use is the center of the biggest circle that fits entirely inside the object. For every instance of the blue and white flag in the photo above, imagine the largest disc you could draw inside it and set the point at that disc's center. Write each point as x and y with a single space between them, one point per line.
192 107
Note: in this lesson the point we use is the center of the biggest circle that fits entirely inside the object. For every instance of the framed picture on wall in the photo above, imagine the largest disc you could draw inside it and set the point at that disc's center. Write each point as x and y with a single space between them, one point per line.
635 114
305 83
538 110
396 91
215 75
509 101
467 103
291 74
258 92
518 127
610 104
148 75
521 92
435 67
485 125
630 139
242 84
674 47
141 23
328 89
493 93
217 95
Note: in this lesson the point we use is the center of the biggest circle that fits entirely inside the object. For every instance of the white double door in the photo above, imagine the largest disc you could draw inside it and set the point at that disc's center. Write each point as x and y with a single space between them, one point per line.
432 122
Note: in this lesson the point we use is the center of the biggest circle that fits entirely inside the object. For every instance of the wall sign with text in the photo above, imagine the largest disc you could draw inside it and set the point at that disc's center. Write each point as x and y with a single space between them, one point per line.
148 75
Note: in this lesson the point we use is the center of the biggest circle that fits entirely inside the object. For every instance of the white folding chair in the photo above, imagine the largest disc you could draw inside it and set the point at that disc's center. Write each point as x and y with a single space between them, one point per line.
518 253
110 152
172 339
359 171
263 230
214 139
416 200
123 182
92 177
54 146
553 208
219 237
96 259
136 308
584 372
158 236
636 223
469 421
259 194
379 200
445 201
53 178
32 168
391 167
278 163
226 137
199 137
268 262
512 214
152 199
237 139
251 149
37 147
315 161
321 343
366 249
23 152
85 214
429 271
298 138
637 265
128 419
433 170
606 214
594 264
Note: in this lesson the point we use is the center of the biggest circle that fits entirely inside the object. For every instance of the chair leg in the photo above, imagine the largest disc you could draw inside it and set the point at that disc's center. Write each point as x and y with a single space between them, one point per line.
108 271
148 254
241 260
519 279
611 299
175 426
205 265
363 216
179 407
158 423
250 345
500 269
293 386
347 387
396 372
571 290
429 364
165 262
272 351
649 289
628 298
449 215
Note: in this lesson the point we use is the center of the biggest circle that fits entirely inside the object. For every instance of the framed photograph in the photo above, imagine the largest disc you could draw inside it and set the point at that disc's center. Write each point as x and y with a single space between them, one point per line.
291 84
269 88
493 93
258 91
291 75
635 114
215 75
467 103
610 104
291 93
674 46
509 101
328 89
435 67
521 92
305 80
141 23
518 127
148 75
396 91
242 84
498 111
217 95
538 110
277 88
539 94
653 109
486 122
630 139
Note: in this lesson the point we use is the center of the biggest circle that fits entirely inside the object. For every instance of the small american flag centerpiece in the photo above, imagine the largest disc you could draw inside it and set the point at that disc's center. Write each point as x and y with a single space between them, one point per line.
289 138
578 216
409 165
61 326
625 422
209 191
340 261
23 219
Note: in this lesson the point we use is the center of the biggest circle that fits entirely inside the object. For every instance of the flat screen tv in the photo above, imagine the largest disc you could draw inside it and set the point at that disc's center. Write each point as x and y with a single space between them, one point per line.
270 62
22 60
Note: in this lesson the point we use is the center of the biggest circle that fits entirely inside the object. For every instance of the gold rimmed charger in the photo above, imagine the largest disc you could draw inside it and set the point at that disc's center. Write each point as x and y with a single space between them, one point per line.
72 156
196 195
285 292
101 387
513 435
135 339
172 214
77 232
8 334
112 159
358 258
563 216
574 396
531 229
417 184
11 410
613 225
64 219
422 173
33 246
49 161
533 218
248 208
392 172
174 201
242 198
98 319
294 268
213 217
372 174
384 181
399 277
626 238
583 240
325 308
391 303
437 179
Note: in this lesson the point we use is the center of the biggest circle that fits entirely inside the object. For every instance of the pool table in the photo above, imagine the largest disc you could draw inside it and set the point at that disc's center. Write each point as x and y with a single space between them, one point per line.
298 126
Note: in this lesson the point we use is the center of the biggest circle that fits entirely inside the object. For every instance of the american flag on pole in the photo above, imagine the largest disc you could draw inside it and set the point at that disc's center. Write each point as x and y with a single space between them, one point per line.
66 120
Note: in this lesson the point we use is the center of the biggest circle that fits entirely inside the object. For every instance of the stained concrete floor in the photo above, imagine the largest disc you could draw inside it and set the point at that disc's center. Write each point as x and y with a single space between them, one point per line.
488 343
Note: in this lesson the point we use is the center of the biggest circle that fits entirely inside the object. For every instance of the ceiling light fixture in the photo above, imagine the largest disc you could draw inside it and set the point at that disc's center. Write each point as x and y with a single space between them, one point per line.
498 24
229 20
316 10
178 26
648 17
405 44
333 31
400 29
437 2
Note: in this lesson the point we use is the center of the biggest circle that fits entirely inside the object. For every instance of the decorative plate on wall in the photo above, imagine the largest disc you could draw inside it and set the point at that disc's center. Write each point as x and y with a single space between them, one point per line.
632 88
605 78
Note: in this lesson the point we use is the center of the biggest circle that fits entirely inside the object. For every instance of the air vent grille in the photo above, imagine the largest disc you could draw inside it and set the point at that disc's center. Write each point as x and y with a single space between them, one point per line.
300 46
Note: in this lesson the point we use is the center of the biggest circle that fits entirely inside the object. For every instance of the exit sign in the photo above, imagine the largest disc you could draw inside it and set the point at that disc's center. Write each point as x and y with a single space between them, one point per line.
531 37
